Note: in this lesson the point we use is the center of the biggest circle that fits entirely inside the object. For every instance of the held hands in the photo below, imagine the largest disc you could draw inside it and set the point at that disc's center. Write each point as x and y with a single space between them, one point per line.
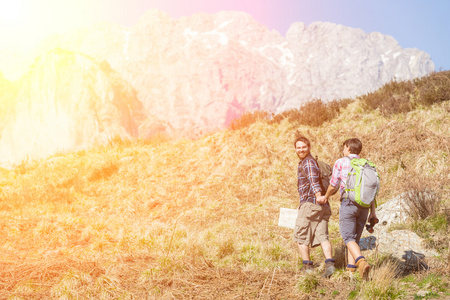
321 200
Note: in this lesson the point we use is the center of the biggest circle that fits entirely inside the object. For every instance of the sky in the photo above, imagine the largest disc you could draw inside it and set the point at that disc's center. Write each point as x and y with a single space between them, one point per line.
420 24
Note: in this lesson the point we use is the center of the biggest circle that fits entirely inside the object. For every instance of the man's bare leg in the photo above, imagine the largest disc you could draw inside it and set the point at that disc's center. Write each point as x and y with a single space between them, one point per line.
327 249
304 251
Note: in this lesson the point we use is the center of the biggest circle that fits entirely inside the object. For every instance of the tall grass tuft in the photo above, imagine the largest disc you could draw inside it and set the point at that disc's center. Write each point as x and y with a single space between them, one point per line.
421 202
383 285
307 283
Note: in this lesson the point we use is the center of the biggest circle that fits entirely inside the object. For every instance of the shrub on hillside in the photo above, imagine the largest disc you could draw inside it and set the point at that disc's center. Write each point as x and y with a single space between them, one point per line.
434 88
249 118
313 113
392 98
430 214
403 96
422 203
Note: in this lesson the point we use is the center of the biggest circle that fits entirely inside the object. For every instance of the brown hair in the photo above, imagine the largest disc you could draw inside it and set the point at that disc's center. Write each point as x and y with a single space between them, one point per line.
302 139
354 145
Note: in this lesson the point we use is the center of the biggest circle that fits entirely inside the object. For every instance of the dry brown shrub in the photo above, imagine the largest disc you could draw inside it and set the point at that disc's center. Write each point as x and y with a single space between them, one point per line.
403 96
422 202
249 118
313 113
392 98
433 88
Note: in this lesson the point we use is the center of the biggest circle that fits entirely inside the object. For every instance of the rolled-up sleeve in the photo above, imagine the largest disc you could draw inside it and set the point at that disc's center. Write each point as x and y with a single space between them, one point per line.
335 176
312 171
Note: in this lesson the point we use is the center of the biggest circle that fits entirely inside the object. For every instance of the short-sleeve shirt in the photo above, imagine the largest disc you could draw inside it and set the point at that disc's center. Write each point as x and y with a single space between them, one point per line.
340 171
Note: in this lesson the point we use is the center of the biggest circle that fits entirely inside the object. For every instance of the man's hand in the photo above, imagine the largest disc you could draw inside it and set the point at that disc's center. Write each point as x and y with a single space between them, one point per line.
372 215
321 200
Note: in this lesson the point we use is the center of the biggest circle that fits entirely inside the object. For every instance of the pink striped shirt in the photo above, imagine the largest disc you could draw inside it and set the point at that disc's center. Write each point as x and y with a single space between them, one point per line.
340 171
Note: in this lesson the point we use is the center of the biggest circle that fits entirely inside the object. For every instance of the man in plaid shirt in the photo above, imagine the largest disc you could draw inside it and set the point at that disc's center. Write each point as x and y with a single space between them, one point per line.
311 225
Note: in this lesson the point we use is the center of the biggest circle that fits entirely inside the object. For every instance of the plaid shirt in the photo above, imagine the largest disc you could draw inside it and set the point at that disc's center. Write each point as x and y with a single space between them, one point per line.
308 180
340 172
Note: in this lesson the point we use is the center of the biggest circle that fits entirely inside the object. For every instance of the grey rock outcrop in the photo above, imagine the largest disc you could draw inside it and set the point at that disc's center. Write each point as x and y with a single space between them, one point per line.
396 242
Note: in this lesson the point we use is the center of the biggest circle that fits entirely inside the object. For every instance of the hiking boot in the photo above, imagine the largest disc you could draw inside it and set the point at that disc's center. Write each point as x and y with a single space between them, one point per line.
363 268
329 270
308 268
351 270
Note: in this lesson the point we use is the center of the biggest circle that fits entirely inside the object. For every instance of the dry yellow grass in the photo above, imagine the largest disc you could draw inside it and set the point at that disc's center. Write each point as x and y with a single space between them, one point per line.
183 218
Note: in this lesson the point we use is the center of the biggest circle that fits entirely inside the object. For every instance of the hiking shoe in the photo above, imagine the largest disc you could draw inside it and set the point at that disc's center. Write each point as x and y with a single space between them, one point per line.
308 268
363 268
351 268
329 270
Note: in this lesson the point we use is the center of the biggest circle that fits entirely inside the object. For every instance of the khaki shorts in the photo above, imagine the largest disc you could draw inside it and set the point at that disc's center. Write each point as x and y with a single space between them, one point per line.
311 226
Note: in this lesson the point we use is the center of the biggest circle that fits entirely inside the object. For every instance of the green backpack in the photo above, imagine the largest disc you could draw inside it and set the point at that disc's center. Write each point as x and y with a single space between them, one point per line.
363 182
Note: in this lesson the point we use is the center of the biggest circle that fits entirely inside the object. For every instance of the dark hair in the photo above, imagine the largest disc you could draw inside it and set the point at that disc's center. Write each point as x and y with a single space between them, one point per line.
302 139
354 145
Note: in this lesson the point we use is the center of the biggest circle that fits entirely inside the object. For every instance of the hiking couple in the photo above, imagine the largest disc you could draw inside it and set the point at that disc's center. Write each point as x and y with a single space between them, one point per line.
311 226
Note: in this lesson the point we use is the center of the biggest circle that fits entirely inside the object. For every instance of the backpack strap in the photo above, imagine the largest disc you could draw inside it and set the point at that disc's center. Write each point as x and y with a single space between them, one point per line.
346 194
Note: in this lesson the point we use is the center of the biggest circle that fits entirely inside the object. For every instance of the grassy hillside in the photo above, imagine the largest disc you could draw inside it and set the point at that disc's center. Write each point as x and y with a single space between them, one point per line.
187 219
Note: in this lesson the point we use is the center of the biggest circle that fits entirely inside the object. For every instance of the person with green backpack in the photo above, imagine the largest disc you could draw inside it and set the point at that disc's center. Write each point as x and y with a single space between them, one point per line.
358 183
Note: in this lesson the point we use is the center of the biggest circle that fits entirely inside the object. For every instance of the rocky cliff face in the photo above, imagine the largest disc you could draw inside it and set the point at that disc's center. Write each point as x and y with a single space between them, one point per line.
335 62
198 73
67 101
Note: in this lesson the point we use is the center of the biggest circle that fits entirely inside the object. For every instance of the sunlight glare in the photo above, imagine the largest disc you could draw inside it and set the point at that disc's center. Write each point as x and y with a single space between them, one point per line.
10 11
24 23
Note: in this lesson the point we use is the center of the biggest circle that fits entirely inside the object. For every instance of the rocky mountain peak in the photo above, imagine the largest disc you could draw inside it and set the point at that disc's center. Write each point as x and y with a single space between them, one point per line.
342 62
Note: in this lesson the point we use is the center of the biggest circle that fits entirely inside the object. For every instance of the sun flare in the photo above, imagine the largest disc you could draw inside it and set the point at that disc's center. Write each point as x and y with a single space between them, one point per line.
26 22
10 11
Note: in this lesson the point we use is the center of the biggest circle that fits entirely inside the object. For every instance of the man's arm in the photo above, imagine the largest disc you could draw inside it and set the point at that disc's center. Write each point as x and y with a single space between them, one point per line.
323 199
334 182
330 191
372 213
312 172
